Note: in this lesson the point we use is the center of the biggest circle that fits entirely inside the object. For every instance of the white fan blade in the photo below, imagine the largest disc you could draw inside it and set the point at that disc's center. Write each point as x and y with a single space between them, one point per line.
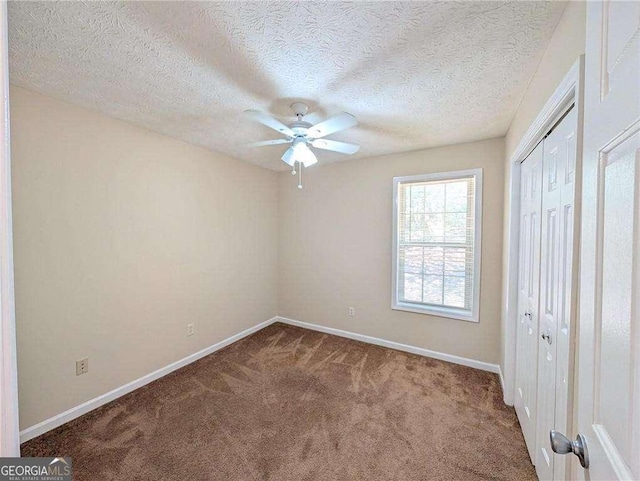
288 157
332 124
270 142
269 122
342 147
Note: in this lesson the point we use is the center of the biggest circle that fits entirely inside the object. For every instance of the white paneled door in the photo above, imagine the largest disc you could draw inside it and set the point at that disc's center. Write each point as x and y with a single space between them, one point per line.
528 296
546 293
609 341
556 292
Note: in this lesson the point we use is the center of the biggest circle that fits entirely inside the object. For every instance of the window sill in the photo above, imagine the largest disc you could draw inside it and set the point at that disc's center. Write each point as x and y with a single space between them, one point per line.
459 315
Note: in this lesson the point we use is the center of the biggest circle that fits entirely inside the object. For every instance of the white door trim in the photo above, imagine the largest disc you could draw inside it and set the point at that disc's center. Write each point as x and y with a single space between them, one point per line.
9 437
569 91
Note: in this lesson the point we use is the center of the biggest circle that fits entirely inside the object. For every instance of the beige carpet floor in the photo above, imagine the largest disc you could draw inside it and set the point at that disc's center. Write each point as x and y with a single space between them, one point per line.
289 404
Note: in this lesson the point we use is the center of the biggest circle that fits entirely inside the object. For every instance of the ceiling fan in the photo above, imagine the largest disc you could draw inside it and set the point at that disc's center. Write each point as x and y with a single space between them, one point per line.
302 135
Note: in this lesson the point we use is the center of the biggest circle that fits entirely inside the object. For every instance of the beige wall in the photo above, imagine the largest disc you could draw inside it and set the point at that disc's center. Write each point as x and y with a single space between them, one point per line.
122 237
335 249
565 46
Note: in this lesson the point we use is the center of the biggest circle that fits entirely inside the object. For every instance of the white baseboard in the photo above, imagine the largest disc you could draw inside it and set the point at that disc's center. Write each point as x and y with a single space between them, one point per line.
483 366
77 411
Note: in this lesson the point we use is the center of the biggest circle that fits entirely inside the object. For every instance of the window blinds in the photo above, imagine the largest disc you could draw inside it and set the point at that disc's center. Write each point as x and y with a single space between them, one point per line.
436 233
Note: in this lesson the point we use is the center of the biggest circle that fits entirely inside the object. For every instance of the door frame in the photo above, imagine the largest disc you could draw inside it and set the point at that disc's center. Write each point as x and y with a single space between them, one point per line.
9 422
569 91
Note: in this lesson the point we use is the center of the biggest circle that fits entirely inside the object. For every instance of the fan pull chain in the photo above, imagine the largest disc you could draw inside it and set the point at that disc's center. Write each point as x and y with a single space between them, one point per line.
293 169
300 175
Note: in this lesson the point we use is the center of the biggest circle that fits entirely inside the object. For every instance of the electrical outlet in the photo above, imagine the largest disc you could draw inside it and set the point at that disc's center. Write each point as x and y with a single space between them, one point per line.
82 366
191 329
351 312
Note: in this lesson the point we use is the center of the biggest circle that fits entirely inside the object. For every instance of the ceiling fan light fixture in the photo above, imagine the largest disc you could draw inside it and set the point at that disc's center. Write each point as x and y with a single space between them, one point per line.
299 152
305 155
289 157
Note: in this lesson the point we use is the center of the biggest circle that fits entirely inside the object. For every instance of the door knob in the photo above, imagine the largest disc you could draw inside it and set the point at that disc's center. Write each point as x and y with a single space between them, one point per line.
563 445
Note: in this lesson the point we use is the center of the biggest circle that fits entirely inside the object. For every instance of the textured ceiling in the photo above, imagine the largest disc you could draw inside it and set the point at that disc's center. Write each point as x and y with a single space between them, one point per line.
416 74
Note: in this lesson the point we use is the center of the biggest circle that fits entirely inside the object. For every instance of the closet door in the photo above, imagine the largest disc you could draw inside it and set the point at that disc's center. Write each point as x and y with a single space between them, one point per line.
556 294
528 296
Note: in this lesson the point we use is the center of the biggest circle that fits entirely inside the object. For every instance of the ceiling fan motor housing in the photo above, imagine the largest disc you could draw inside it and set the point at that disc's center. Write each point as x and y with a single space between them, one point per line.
300 128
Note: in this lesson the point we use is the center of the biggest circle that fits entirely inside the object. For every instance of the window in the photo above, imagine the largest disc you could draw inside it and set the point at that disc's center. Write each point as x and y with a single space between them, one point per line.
436 251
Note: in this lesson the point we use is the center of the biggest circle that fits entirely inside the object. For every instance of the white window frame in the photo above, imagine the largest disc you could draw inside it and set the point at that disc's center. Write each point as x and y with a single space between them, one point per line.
448 312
